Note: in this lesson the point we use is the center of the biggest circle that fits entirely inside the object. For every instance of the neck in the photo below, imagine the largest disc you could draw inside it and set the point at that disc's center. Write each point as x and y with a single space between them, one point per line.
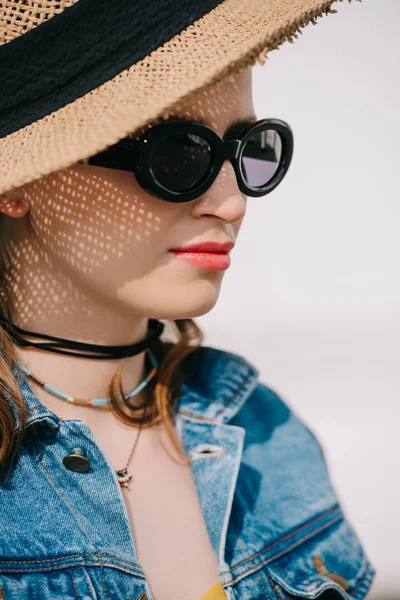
44 298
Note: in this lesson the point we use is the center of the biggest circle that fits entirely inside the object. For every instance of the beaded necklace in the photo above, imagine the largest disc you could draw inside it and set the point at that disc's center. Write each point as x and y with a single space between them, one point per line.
123 476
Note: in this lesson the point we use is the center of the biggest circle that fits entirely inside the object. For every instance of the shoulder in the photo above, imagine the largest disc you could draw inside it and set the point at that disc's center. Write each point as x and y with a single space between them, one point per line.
278 438
313 545
268 416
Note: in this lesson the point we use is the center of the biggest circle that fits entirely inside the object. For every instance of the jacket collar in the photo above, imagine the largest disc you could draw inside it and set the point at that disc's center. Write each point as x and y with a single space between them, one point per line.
216 385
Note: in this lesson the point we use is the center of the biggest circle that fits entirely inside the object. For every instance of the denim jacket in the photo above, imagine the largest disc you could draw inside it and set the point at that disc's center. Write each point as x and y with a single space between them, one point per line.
275 524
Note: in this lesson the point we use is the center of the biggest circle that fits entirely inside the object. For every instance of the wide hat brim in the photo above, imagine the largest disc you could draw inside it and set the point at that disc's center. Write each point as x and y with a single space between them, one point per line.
102 80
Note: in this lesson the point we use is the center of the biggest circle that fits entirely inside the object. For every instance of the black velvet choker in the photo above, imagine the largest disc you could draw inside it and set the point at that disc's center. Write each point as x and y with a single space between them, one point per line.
106 352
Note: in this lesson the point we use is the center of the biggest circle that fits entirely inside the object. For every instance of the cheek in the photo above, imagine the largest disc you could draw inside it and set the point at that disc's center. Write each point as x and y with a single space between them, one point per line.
89 220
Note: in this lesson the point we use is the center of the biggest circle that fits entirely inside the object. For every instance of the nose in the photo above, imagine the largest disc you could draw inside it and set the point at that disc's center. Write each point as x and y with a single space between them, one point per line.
223 198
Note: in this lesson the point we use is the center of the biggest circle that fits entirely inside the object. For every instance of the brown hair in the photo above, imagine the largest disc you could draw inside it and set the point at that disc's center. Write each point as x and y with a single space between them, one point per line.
165 388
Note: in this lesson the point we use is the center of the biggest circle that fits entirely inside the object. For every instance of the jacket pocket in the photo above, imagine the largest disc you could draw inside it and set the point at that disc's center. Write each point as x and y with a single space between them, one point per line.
331 565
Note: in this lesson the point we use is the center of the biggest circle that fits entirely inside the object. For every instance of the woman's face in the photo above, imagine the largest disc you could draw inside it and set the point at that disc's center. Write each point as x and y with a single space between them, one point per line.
96 230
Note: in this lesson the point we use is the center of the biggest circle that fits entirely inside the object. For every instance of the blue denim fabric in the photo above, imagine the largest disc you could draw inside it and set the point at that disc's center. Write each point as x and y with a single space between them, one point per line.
275 523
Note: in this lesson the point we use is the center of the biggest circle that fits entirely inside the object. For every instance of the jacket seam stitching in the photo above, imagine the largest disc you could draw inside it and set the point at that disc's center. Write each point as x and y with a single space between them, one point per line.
263 586
277 590
88 580
249 375
258 574
305 538
288 535
103 578
73 556
59 492
67 565
271 558
74 584
359 584
223 409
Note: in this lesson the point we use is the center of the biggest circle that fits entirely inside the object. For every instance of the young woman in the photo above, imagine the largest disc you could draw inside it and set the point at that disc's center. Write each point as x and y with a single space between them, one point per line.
134 466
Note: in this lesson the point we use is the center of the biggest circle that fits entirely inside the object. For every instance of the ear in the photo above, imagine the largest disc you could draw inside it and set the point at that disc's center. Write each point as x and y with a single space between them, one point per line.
13 204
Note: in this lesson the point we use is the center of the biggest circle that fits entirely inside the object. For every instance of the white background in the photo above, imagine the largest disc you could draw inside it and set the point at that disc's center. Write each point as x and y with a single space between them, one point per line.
312 296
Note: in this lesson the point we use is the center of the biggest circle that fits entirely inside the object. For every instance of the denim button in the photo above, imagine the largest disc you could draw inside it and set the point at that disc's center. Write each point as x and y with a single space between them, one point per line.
143 597
77 461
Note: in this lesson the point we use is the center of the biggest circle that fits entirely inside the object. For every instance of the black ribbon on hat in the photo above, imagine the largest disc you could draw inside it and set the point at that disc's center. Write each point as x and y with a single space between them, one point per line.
106 352
82 47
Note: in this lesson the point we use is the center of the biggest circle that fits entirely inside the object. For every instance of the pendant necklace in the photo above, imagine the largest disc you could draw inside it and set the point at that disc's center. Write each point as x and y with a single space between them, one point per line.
123 476
92 351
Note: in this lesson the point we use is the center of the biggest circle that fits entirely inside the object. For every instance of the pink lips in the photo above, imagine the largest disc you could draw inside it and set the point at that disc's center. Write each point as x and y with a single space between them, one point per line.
206 260
208 246
207 255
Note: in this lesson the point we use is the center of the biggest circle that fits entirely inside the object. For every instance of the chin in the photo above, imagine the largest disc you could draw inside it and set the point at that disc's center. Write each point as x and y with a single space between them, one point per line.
183 309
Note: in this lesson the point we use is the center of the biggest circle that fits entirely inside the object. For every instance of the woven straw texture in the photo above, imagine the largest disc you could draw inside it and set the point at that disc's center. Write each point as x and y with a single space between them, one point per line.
233 36
16 18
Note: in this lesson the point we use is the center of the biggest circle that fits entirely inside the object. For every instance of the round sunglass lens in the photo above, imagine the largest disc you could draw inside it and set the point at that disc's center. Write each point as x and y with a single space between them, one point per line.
181 162
261 157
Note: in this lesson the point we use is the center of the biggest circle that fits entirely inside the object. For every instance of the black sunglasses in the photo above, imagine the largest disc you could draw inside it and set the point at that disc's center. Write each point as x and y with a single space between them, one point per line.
177 161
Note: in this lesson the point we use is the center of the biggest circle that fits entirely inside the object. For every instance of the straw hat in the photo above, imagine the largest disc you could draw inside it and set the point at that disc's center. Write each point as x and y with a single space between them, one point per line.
79 75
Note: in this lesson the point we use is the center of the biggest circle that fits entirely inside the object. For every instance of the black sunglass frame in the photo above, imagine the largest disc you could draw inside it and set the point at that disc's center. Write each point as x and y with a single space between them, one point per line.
135 155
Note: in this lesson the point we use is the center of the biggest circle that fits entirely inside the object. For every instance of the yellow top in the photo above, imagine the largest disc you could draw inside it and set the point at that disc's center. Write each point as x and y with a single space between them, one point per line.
216 592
